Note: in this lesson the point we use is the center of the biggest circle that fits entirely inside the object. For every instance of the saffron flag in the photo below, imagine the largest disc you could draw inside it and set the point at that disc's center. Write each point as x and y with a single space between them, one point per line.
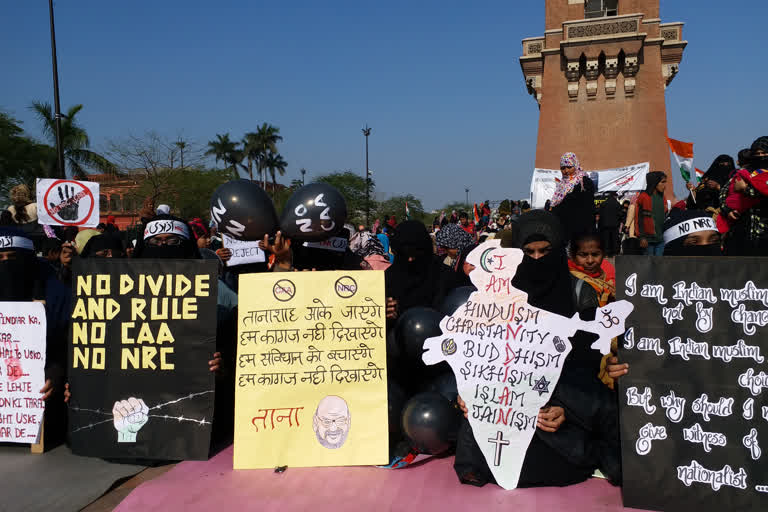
476 214
683 154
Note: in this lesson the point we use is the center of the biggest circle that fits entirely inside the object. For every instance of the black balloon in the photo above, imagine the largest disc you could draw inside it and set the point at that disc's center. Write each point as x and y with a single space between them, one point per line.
242 210
314 213
431 423
444 384
414 326
455 298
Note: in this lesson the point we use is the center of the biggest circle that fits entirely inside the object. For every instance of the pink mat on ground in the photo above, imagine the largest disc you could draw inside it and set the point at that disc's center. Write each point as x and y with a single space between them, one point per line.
430 486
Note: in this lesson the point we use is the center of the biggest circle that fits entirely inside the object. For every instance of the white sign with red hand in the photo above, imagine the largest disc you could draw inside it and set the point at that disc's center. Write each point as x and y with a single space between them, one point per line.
67 203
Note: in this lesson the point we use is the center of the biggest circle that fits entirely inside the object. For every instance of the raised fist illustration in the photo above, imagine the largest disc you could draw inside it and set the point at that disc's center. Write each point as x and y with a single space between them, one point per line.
129 416
70 210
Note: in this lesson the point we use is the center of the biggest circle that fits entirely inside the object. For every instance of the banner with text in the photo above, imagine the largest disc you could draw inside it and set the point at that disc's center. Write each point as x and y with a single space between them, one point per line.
243 252
693 411
622 181
142 334
68 203
311 386
22 371
507 356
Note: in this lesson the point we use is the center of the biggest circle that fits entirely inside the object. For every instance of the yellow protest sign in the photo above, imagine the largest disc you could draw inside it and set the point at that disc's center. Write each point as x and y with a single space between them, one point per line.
311 386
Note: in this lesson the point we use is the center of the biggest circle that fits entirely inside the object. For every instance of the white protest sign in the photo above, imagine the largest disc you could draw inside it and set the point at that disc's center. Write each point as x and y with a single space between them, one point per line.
508 356
543 186
334 243
22 370
67 203
622 180
243 252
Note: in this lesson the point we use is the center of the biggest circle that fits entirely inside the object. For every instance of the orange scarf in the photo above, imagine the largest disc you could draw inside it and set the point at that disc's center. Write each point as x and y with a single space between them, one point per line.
605 288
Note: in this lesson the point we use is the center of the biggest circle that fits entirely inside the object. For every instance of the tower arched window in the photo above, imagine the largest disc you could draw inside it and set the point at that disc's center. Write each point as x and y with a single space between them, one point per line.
600 8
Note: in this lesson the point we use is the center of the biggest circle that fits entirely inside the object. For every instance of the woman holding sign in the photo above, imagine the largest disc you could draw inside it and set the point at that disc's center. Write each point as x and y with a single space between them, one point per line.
577 432
24 278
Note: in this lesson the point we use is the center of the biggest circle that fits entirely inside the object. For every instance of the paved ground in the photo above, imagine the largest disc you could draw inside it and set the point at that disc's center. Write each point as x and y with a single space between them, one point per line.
114 496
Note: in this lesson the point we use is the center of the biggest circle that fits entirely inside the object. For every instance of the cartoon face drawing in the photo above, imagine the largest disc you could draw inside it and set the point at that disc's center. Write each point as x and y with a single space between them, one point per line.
331 422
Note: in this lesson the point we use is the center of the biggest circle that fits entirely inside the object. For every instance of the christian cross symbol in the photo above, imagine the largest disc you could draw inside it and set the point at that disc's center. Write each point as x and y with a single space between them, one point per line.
500 442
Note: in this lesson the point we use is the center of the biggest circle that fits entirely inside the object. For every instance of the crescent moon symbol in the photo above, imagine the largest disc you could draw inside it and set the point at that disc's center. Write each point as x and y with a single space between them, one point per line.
483 261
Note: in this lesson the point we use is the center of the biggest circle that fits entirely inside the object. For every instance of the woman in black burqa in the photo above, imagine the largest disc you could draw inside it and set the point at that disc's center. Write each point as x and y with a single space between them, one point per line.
417 277
707 195
561 452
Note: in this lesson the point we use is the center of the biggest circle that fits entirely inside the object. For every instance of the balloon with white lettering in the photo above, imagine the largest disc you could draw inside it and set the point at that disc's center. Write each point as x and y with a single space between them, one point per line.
314 213
242 210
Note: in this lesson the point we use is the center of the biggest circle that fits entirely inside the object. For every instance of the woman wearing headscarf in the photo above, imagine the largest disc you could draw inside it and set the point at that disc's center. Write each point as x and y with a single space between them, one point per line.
371 252
416 278
452 238
574 200
23 211
103 246
748 235
578 430
706 196
691 233
461 269
24 278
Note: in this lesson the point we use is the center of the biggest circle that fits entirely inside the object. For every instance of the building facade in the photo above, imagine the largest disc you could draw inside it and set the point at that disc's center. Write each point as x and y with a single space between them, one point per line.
599 75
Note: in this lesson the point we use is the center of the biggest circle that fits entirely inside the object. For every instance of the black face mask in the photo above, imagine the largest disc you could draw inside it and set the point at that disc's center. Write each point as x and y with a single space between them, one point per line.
17 278
165 252
702 250
760 162
547 281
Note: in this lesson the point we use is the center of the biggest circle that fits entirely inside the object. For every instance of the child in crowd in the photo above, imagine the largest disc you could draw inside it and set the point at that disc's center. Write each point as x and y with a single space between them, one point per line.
737 202
587 262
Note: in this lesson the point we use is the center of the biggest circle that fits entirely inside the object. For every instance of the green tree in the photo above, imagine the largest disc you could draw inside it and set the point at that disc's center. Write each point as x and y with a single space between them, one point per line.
181 145
22 159
226 150
459 206
352 187
396 206
258 145
251 151
188 190
275 164
74 142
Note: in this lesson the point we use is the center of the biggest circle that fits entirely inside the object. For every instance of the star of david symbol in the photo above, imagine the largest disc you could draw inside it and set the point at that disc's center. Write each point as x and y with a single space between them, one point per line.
541 385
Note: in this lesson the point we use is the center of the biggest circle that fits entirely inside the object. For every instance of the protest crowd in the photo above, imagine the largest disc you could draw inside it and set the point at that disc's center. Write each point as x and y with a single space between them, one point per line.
567 269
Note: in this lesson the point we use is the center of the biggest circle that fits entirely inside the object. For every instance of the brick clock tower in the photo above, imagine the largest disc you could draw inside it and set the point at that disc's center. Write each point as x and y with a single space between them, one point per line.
599 74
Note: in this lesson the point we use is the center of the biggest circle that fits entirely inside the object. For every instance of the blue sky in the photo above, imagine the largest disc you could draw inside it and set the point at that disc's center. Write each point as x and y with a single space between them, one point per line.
438 81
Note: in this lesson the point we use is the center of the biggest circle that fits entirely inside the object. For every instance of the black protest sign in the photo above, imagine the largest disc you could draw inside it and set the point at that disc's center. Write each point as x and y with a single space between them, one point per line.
142 334
694 418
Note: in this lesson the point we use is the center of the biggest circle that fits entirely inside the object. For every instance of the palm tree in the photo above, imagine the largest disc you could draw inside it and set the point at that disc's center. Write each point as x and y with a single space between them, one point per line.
265 142
275 164
234 157
251 150
225 150
74 142
182 145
